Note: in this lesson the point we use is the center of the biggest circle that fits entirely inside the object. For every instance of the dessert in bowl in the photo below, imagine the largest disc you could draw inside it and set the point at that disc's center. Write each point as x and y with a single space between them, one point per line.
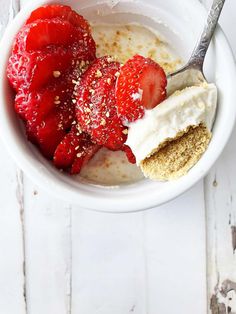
108 182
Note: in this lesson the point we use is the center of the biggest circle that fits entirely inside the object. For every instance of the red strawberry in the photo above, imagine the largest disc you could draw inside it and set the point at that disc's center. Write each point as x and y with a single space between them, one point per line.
61 11
42 33
49 114
129 154
50 131
36 105
49 135
96 104
36 69
89 150
67 149
141 85
75 148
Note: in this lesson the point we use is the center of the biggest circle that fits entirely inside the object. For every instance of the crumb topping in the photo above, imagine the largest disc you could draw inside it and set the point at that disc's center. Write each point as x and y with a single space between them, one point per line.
177 156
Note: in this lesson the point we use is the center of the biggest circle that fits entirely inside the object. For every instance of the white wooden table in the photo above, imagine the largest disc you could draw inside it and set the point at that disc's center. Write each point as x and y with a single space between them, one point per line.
178 258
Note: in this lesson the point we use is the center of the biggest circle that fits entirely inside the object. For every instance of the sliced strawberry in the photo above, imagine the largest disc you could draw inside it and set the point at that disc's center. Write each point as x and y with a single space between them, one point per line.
129 154
49 132
36 105
49 114
36 69
49 135
13 70
74 151
96 104
89 149
66 150
42 33
73 147
61 11
141 85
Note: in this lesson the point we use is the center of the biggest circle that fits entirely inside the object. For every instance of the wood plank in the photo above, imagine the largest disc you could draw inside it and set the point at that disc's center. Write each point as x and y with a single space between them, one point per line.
47 224
175 255
137 262
12 281
220 191
108 264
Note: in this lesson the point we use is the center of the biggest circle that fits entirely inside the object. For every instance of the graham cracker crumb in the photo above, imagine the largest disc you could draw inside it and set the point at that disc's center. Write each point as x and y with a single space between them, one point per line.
177 156
56 74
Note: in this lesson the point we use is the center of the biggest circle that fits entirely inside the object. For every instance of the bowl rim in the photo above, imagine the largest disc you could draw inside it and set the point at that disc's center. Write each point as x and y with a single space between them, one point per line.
44 179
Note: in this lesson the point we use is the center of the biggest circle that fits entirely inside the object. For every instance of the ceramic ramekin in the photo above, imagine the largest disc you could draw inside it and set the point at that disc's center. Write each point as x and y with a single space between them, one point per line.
180 22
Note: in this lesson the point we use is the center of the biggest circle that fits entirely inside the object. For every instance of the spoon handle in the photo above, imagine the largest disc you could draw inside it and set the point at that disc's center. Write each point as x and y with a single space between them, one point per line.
198 55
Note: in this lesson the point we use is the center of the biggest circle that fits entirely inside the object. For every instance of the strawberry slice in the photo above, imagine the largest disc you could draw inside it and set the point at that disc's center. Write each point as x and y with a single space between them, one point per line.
67 149
141 85
48 113
61 45
129 154
89 149
36 69
42 33
96 105
75 149
37 104
61 11
49 132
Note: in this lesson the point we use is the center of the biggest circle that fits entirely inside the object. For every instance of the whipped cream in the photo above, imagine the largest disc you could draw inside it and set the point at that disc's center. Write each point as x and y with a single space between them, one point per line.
189 107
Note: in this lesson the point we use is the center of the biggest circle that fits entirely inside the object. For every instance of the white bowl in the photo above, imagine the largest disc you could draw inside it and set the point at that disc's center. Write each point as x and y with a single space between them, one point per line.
186 18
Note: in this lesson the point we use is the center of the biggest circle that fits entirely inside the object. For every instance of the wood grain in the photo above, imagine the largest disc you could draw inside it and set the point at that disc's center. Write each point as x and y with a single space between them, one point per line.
220 194
108 264
12 280
48 251
220 189
136 262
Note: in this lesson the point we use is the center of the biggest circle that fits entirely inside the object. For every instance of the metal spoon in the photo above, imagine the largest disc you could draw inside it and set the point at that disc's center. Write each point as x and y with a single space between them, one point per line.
192 73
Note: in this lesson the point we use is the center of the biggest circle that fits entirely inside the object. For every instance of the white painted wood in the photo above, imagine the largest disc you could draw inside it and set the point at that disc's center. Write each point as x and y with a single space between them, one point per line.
12 281
108 263
220 191
220 187
47 224
175 249
151 262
